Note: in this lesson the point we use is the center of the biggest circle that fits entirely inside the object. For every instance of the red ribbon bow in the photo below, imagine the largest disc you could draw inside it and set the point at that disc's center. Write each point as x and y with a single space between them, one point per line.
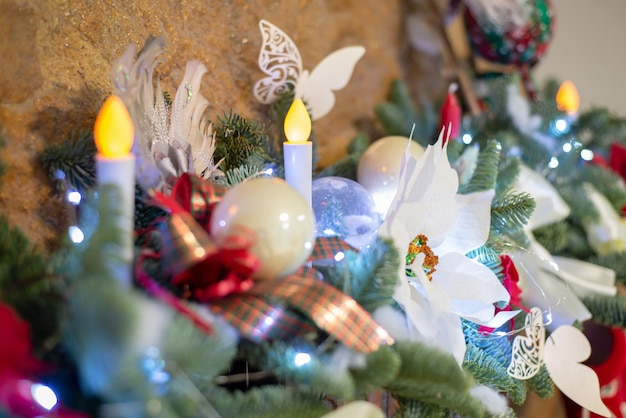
204 269
223 272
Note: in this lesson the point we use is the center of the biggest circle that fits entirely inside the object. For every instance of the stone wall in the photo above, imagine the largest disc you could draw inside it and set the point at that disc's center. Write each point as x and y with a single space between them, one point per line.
55 59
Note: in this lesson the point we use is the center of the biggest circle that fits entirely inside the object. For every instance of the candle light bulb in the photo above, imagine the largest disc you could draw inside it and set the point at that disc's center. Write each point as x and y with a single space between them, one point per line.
567 98
113 130
115 166
297 123
298 150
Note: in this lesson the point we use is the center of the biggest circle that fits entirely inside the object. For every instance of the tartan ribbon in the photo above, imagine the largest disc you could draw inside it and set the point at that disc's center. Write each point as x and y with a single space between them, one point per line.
220 275
330 309
197 264
258 320
198 197
327 247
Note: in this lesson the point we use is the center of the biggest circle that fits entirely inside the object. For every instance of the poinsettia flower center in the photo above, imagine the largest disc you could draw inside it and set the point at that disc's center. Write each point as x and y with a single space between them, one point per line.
419 245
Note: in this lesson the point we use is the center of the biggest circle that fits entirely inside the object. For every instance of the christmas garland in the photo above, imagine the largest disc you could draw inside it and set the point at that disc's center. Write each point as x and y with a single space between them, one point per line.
196 334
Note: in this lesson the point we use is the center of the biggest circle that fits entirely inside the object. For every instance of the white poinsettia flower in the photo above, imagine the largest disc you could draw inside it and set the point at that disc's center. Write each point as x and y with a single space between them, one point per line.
442 285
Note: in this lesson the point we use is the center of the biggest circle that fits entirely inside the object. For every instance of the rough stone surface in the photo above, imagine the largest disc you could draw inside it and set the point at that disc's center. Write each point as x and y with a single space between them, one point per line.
55 59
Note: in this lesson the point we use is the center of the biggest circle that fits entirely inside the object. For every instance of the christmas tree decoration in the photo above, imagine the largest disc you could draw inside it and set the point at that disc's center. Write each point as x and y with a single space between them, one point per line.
456 276
562 354
281 219
427 205
280 59
174 136
115 165
451 114
343 208
567 98
515 33
379 168
298 150
608 234
20 394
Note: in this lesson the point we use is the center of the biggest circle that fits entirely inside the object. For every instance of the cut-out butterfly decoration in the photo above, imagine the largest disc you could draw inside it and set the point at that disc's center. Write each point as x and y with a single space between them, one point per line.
562 353
280 59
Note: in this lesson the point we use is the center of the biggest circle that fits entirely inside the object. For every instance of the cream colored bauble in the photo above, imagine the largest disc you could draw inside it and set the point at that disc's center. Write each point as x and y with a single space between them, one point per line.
281 218
379 168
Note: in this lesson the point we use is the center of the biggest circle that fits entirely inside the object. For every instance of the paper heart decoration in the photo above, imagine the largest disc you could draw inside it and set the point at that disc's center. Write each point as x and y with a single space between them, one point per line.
280 59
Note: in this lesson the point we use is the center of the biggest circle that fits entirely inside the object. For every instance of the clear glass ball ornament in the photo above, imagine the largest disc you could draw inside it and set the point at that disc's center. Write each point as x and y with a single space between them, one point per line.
345 209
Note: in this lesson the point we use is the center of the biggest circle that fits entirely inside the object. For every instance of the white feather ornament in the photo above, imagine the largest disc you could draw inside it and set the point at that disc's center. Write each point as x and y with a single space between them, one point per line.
169 140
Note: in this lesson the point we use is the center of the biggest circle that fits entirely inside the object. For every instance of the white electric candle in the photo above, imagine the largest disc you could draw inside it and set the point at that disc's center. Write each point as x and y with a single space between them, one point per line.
298 150
115 164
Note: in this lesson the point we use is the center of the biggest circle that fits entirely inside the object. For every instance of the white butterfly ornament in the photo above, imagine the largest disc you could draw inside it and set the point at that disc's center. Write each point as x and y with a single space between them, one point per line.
563 353
280 59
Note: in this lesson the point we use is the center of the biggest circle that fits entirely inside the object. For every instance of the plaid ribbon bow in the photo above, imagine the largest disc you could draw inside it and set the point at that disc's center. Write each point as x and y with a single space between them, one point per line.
220 276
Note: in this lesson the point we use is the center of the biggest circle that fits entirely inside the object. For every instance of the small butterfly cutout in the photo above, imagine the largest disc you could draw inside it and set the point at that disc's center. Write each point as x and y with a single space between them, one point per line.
562 353
280 59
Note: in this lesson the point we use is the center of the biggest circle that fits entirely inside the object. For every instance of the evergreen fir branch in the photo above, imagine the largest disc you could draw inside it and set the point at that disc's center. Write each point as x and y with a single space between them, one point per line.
517 238
486 172
369 277
455 150
432 376
511 212
382 367
100 321
429 364
313 376
240 142
199 355
507 174
549 89
497 349
553 236
607 310
599 128
582 209
615 261
577 243
532 153
27 285
439 395
608 183
238 175
541 383
491 372
278 360
145 213
72 162
567 172
489 257
268 402
411 408
100 317
397 115
347 166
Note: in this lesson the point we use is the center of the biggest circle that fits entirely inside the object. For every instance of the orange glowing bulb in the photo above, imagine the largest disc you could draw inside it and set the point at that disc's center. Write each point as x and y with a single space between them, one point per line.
113 131
567 98
297 123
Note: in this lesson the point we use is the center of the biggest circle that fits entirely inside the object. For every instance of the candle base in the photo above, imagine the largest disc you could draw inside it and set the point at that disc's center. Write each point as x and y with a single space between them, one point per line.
120 172
299 167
